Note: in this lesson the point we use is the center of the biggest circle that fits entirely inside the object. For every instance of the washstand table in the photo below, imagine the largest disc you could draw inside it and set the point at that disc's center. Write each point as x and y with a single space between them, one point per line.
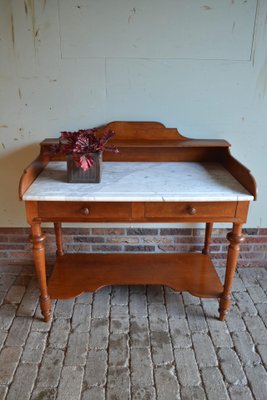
157 176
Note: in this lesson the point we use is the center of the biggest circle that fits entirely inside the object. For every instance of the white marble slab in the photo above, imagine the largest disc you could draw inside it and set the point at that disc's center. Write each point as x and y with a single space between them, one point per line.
141 181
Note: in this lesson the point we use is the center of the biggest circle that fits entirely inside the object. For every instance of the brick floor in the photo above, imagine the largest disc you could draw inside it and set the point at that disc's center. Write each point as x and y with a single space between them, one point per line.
132 343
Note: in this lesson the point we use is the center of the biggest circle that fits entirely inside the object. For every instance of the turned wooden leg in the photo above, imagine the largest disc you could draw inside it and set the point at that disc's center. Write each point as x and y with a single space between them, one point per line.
58 232
37 239
235 238
208 231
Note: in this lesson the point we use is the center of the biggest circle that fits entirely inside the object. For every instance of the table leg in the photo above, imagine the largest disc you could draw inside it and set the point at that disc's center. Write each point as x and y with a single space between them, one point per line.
208 231
235 237
58 233
37 238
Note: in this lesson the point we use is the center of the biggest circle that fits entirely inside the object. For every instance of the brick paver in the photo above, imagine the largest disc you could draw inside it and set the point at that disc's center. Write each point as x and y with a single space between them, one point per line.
133 343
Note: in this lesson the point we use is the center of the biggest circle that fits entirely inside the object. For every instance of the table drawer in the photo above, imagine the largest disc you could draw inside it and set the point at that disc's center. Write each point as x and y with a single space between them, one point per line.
85 211
190 210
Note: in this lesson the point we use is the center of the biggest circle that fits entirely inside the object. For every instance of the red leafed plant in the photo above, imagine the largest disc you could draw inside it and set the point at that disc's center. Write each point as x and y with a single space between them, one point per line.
82 143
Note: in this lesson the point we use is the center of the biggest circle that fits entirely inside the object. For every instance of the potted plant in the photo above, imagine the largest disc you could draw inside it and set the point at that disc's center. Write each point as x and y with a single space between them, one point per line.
83 150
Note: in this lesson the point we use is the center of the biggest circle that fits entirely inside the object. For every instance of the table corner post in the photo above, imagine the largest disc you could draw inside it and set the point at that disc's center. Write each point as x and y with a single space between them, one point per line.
37 238
208 232
235 237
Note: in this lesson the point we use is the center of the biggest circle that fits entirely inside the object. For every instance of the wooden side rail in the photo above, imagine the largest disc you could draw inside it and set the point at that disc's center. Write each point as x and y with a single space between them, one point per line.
31 172
240 172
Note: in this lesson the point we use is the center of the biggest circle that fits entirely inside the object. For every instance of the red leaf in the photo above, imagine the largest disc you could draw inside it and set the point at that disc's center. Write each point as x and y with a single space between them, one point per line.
86 161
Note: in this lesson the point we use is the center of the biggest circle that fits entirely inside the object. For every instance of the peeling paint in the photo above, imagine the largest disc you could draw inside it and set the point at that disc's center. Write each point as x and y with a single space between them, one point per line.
207 8
233 27
25 8
133 12
12 29
3 145
31 8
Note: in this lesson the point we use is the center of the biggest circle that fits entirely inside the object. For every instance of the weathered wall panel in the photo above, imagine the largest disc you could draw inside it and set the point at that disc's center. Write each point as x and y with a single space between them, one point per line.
192 29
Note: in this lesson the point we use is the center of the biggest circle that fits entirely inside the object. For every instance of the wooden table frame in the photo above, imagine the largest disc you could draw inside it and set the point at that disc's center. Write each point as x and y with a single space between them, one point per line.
139 141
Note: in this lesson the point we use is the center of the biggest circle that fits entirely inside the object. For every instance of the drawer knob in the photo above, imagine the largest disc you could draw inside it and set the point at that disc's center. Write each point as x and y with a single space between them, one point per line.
192 211
85 211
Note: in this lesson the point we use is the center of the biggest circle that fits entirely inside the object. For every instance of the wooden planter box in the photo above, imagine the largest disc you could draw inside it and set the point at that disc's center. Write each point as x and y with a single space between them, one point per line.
76 175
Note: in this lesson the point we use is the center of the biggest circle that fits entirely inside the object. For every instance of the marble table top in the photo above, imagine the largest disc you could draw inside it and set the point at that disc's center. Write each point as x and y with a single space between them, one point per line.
141 181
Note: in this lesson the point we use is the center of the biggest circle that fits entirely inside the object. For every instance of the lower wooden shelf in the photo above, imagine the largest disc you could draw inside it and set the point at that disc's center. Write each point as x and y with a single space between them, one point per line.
77 273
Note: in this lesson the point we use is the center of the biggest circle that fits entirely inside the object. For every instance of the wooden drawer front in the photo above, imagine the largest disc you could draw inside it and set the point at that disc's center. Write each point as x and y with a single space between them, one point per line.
190 210
85 211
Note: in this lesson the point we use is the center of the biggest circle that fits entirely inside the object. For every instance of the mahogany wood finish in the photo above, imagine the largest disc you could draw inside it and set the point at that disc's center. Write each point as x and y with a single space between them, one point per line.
139 141
31 172
37 238
182 272
58 233
78 211
235 238
208 233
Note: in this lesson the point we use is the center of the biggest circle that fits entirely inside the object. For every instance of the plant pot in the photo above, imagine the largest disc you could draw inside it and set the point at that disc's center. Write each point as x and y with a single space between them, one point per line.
76 174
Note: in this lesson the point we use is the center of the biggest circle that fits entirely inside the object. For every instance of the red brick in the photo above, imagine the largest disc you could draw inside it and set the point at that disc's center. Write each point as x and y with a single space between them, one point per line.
176 231
106 248
6 246
18 238
4 261
75 248
262 231
220 231
243 247
215 248
49 231
142 231
12 231
168 248
21 255
158 239
259 247
195 248
76 231
256 239
88 239
108 231
123 239
188 239
219 240
139 248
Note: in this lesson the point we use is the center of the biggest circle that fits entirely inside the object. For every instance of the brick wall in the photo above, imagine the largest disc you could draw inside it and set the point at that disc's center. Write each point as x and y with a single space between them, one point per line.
15 248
